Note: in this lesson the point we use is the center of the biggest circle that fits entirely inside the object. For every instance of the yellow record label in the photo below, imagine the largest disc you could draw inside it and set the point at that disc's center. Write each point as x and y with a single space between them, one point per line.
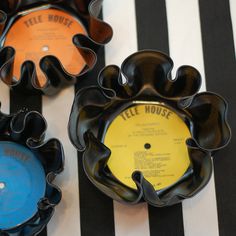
149 138
46 32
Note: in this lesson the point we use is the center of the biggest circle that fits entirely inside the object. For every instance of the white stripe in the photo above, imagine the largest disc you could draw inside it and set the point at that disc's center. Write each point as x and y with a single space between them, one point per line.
66 220
233 18
200 212
129 220
4 98
121 16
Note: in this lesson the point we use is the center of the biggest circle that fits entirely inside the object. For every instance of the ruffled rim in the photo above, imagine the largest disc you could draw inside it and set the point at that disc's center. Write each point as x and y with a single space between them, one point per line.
28 129
95 107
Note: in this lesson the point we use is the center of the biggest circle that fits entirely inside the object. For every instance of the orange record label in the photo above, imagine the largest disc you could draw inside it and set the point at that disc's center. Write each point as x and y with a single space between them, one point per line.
46 32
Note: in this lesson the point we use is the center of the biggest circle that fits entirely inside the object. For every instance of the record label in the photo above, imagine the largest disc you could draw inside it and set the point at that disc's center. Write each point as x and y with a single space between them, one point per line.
149 138
46 32
22 184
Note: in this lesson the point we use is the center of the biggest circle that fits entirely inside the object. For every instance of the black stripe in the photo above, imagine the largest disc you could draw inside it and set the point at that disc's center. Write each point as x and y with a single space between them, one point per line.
220 70
20 101
96 209
166 221
152 32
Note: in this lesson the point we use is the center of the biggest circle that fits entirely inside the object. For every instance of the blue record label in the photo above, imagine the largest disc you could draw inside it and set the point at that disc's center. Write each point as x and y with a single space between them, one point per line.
22 184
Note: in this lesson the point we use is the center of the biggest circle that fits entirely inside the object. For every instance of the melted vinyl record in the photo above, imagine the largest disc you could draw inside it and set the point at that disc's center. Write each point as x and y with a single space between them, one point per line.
36 34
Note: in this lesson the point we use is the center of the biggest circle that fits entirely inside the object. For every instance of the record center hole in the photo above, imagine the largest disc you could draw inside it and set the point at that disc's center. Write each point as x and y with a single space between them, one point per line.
45 48
2 185
147 145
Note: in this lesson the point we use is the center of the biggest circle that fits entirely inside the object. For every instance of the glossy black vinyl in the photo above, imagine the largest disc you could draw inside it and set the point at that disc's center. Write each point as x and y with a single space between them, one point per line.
28 129
145 76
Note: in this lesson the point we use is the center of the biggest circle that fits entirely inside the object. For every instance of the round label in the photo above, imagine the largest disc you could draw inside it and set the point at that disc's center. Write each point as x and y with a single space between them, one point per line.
22 184
46 32
149 138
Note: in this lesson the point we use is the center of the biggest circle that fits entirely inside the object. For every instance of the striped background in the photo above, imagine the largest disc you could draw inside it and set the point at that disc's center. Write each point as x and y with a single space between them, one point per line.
200 33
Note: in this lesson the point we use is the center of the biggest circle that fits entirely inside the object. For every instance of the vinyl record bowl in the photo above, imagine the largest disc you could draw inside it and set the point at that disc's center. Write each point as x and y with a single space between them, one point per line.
49 74
28 166
144 79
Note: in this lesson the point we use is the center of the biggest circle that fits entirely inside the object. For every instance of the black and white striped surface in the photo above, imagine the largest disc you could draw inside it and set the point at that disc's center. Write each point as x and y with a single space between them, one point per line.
199 33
